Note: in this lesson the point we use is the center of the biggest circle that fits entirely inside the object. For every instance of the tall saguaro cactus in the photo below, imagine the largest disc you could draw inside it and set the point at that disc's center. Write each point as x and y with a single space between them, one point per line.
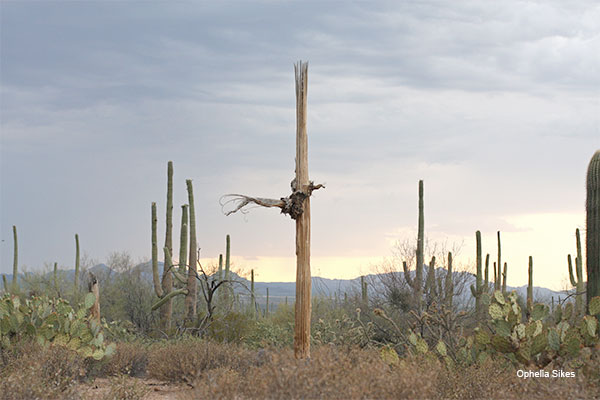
164 288
577 283
417 283
76 281
15 284
449 283
192 285
364 291
504 278
478 290
155 277
497 270
420 245
228 288
430 283
530 287
252 297
592 207
183 240
167 279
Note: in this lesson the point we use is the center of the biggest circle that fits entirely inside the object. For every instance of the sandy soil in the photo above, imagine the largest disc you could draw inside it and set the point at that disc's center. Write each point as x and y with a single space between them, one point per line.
100 388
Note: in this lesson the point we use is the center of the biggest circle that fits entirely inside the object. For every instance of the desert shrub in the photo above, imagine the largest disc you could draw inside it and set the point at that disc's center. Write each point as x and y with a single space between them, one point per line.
189 359
493 379
268 333
233 327
129 359
123 387
331 373
36 372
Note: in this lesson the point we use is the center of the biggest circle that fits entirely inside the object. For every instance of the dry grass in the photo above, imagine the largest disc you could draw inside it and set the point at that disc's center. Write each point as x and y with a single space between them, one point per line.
129 359
493 380
124 387
213 370
34 372
331 373
186 361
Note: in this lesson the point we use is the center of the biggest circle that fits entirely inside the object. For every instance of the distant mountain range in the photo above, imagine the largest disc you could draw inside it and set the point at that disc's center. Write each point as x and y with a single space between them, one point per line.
324 287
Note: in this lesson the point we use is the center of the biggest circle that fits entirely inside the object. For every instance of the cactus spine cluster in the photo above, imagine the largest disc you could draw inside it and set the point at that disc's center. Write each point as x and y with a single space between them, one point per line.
417 283
578 282
592 207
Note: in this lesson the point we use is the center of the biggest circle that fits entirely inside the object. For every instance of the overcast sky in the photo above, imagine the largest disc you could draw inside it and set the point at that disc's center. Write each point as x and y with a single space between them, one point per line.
495 105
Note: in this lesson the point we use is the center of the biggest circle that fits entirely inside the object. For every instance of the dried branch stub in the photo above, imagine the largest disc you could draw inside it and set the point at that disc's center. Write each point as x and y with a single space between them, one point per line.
291 205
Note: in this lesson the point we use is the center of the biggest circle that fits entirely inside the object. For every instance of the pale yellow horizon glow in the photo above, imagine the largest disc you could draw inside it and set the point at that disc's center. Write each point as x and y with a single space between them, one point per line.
548 237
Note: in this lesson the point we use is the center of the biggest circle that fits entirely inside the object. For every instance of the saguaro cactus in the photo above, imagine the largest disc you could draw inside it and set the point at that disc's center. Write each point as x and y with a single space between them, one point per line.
417 283
228 288
183 238
220 270
55 278
577 283
478 290
430 284
449 284
530 287
486 284
497 271
192 296
155 277
94 288
76 281
267 305
592 207
363 291
504 278
167 279
252 297
15 284
420 245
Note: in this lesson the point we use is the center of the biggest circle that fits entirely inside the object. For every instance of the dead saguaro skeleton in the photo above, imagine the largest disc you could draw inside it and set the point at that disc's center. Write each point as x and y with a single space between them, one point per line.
94 288
297 206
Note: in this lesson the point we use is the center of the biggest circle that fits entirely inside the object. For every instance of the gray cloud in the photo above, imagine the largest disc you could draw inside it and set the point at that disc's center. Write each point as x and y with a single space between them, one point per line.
495 105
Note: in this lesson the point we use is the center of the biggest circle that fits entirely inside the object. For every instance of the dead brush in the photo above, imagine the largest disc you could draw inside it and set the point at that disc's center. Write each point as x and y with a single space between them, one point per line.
186 361
123 387
330 373
129 359
494 379
42 373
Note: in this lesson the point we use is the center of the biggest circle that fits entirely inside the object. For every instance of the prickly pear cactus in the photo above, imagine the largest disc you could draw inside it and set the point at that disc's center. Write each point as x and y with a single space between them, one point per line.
52 322
535 340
